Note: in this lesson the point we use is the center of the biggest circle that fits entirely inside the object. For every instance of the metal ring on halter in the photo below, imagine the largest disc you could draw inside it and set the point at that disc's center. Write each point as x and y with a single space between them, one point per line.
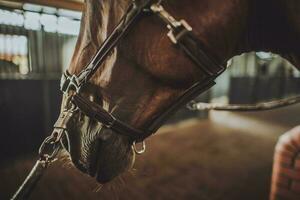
139 151
53 148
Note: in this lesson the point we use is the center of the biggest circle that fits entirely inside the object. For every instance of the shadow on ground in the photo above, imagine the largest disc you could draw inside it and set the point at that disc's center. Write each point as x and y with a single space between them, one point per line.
204 160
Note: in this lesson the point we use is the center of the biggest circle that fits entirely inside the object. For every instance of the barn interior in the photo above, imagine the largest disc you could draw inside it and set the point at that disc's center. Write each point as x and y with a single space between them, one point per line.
213 155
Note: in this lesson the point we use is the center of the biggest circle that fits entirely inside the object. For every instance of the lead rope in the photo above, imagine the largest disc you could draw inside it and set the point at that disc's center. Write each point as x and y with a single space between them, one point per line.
48 152
45 159
193 105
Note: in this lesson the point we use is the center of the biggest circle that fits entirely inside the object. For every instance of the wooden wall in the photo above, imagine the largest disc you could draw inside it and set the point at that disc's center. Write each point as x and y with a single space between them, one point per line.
28 109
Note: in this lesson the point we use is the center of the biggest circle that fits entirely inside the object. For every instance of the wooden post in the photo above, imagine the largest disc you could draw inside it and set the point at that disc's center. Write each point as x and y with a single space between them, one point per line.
286 167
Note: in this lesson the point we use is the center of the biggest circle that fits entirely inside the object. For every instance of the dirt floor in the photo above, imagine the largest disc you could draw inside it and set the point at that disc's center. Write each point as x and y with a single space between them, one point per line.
228 157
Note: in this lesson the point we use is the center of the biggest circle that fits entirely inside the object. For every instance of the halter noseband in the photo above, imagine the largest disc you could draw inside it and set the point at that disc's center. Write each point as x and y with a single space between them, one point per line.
180 34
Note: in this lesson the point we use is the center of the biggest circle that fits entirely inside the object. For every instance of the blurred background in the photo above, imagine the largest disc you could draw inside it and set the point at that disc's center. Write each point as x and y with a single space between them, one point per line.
218 155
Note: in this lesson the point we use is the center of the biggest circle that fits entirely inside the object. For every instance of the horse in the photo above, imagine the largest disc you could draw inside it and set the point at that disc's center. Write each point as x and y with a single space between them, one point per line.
145 74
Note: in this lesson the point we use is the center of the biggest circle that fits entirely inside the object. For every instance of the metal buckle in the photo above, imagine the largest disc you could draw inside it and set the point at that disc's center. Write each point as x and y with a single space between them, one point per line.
73 84
177 28
181 29
69 83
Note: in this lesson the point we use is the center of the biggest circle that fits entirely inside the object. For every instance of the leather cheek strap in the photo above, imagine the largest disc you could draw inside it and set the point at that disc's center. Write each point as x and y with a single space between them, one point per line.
96 112
197 52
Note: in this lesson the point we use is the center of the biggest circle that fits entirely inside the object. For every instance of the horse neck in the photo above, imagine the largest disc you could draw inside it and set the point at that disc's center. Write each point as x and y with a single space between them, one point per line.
228 28
234 27
98 20
273 26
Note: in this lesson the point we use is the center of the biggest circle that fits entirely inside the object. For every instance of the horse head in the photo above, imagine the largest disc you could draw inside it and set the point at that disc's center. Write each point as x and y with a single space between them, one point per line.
144 75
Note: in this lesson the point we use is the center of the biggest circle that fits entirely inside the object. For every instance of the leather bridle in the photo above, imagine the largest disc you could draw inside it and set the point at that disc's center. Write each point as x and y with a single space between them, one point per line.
180 34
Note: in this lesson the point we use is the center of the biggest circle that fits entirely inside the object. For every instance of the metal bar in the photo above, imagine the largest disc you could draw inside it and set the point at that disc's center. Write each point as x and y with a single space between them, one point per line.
245 107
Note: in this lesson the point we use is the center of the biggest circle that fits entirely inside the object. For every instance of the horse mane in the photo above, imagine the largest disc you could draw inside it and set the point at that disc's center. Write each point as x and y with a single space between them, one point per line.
101 16
98 20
